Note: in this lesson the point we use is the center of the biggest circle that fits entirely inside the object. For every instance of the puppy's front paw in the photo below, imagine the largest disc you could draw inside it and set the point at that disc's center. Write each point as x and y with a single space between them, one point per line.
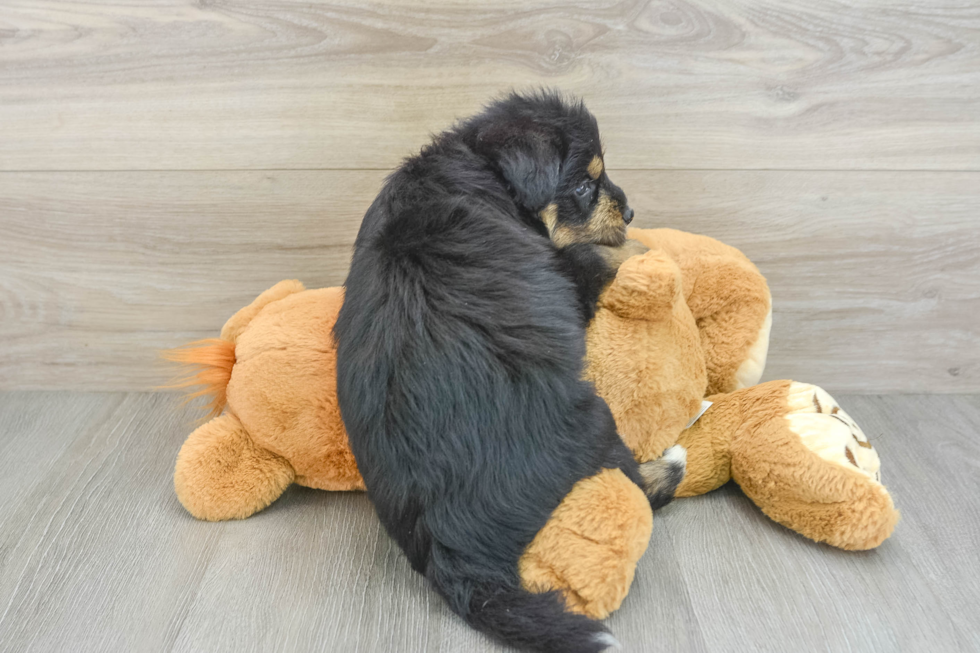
616 256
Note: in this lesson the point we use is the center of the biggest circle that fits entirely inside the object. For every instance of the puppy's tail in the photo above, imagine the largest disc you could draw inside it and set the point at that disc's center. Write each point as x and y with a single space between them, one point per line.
662 475
534 622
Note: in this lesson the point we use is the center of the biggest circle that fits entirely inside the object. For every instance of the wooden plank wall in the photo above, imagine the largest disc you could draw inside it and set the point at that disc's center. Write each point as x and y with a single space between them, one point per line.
161 165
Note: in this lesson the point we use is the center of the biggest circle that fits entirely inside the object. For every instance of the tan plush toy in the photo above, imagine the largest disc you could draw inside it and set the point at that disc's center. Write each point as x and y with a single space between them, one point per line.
686 320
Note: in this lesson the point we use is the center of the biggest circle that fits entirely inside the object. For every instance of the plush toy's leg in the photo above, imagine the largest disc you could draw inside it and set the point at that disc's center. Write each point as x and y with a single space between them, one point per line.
221 474
808 466
728 297
645 354
589 548
734 315
234 326
708 443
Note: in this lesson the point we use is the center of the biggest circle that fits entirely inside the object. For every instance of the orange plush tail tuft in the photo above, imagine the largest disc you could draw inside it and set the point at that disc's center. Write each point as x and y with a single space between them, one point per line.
208 363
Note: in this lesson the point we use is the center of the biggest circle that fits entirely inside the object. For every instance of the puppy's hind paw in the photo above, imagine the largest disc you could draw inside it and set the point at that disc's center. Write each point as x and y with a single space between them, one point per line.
662 476
607 642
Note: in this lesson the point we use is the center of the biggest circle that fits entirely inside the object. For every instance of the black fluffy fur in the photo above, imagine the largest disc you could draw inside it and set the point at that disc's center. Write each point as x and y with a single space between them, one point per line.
588 272
460 353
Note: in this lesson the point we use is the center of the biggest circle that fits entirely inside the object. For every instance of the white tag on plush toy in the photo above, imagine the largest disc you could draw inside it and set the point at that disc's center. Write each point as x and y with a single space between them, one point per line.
705 405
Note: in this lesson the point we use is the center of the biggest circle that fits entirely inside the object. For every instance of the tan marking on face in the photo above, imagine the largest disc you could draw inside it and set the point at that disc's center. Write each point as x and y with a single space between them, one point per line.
564 235
606 224
549 216
595 167
604 227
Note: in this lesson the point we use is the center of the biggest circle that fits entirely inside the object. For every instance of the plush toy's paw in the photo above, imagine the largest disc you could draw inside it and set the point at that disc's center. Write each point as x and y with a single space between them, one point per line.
808 466
221 474
589 548
646 287
825 429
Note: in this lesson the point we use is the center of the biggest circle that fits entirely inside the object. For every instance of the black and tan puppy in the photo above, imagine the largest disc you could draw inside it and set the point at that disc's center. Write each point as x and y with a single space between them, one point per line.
460 354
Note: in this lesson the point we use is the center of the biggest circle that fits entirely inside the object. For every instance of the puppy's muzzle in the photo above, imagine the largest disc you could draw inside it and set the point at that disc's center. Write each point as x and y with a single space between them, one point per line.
627 215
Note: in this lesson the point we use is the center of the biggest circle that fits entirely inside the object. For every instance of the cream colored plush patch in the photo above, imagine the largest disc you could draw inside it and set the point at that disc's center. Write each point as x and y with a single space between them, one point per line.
750 371
826 430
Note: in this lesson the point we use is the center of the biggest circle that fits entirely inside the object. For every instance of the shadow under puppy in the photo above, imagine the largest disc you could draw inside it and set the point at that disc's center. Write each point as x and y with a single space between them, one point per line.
460 355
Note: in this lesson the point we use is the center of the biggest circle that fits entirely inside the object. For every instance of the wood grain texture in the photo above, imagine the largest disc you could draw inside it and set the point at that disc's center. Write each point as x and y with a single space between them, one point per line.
96 554
875 275
220 84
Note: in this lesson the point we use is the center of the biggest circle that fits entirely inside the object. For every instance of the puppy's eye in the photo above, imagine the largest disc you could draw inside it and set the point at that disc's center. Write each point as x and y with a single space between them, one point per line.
584 189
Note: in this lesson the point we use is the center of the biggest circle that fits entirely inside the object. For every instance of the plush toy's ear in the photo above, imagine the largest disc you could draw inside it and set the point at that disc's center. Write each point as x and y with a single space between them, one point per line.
529 158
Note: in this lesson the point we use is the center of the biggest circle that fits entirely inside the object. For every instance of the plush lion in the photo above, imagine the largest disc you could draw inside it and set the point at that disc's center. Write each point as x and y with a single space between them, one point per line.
676 348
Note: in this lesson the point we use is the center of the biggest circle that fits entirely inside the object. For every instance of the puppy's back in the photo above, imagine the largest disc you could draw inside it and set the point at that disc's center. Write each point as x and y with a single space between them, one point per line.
459 364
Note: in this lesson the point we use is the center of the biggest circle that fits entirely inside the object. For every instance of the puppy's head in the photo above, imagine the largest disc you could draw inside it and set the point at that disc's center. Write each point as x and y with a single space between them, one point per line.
587 207
548 151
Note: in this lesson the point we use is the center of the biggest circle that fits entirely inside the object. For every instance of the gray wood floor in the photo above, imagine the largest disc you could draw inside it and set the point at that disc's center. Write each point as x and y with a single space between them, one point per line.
96 554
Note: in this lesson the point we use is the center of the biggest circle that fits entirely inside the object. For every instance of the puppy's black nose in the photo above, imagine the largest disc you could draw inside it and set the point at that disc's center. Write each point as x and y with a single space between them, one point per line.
628 215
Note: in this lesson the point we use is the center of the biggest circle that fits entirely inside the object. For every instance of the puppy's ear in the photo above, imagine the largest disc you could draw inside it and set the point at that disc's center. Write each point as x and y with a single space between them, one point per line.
532 170
529 160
